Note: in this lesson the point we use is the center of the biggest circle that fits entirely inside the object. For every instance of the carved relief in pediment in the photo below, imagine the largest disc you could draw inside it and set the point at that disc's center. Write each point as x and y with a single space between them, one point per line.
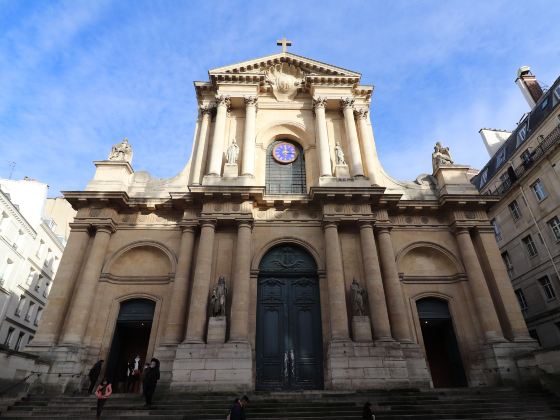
285 79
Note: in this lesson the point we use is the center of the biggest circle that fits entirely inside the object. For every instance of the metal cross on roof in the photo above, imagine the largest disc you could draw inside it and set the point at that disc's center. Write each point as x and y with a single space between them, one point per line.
284 43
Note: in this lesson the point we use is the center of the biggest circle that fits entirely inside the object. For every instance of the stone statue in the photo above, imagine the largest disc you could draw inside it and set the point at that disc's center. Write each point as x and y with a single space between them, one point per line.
232 152
218 298
441 156
121 151
339 154
357 299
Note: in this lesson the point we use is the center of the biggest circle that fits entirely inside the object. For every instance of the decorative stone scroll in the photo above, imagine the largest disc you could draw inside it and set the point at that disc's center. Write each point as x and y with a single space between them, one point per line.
285 79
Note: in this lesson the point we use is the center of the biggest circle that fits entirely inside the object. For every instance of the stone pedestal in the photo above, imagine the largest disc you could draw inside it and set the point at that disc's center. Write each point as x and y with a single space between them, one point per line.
231 170
216 330
361 329
341 172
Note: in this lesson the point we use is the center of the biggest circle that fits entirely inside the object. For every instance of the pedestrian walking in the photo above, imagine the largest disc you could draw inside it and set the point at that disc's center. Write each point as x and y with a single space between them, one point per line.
237 412
94 374
104 391
367 412
151 376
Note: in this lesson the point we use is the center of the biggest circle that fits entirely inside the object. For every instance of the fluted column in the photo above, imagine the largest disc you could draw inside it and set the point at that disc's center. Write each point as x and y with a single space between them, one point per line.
398 315
370 153
325 167
217 146
479 289
375 291
174 328
335 284
206 112
53 317
352 137
80 309
201 283
241 283
507 300
248 157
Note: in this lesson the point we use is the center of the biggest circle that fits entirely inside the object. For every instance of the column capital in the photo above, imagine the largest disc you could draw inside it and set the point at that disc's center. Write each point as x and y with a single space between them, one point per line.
208 223
485 229
319 102
188 226
361 113
347 103
207 109
109 228
383 227
80 227
223 100
245 223
330 224
459 230
250 100
365 224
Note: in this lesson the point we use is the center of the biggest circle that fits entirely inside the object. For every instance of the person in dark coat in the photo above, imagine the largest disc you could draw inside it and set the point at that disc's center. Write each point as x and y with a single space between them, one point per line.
367 412
94 374
150 381
238 409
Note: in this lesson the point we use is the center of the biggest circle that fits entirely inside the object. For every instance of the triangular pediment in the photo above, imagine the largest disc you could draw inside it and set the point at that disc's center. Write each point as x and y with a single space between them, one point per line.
306 65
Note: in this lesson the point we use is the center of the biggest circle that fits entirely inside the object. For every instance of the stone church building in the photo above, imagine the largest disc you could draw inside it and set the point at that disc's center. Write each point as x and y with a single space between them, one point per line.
283 256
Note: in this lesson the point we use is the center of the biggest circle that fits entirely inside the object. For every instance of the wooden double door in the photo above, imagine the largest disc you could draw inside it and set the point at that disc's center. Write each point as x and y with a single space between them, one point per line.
289 345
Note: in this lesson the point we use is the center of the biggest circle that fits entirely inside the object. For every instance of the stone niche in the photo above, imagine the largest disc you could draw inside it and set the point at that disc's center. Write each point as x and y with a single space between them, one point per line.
141 261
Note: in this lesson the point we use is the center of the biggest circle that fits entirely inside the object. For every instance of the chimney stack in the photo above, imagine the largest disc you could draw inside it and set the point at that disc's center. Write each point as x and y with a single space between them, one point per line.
529 85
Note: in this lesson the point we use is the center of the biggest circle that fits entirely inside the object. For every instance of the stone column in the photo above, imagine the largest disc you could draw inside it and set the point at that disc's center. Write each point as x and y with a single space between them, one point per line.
335 284
479 289
368 143
508 301
201 284
80 310
174 329
393 290
325 168
376 293
217 146
241 283
248 157
206 112
352 137
63 285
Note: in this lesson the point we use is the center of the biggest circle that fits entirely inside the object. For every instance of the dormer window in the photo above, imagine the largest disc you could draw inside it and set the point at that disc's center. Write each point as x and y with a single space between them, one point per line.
483 178
500 158
521 134
557 92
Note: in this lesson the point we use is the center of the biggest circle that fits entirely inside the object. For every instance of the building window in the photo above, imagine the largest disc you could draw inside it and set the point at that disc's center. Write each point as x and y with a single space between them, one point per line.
507 263
18 239
39 283
48 259
497 230
538 189
547 288
40 249
3 222
47 289
20 305
515 210
554 224
521 299
483 178
9 337
285 168
535 336
521 134
557 92
29 311
500 157
530 245
38 316
527 157
6 271
30 276
19 341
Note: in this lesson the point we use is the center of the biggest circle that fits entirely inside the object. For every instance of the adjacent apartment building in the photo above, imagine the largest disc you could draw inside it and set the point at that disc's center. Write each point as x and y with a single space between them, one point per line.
524 171
31 245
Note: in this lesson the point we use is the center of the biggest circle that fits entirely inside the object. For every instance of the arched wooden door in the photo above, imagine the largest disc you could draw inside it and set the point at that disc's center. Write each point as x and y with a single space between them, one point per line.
289 348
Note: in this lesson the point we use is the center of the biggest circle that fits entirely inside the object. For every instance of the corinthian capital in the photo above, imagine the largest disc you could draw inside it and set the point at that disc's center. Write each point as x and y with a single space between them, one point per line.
250 100
346 103
319 102
223 100
361 113
207 109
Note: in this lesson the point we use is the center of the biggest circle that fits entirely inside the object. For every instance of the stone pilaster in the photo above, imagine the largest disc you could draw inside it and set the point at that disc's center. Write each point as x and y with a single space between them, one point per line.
248 156
352 137
201 283
217 146
398 315
370 152
325 168
201 147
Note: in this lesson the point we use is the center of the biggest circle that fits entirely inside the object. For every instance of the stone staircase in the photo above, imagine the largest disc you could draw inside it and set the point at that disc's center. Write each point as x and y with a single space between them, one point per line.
450 404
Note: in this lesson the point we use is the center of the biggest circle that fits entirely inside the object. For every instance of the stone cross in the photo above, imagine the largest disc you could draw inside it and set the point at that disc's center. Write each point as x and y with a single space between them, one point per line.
284 43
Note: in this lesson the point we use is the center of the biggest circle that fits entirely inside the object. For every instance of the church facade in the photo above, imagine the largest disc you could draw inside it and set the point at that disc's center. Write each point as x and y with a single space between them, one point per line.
283 256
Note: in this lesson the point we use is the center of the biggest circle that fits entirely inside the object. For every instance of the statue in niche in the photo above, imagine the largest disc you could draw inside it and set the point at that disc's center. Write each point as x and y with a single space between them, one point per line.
339 154
121 151
357 299
218 298
441 156
232 152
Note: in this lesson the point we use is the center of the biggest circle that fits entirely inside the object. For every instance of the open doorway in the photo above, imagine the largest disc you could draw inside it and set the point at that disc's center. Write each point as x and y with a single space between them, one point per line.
440 343
130 342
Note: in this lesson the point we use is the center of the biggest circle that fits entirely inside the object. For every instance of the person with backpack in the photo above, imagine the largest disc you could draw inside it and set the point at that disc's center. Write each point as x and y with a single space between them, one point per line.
237 412
94 374
104 391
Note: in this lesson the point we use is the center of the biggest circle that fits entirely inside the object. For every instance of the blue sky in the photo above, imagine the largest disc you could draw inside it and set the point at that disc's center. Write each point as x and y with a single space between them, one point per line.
78 76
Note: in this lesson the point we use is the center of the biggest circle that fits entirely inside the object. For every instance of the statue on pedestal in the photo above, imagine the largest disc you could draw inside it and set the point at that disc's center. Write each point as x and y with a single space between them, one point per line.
218 298
232 152
339 154
441 156
121 151
358 294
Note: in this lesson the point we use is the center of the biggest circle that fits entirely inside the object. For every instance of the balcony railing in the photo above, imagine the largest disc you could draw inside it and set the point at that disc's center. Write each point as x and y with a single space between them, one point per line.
529 160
